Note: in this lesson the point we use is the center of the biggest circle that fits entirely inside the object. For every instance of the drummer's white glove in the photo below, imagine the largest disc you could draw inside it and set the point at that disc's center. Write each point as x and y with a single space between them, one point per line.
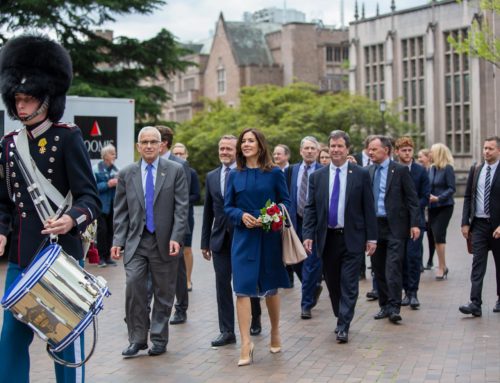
3 242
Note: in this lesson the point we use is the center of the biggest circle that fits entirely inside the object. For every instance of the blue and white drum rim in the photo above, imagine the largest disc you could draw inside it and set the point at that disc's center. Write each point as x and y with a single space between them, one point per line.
82 326
14 293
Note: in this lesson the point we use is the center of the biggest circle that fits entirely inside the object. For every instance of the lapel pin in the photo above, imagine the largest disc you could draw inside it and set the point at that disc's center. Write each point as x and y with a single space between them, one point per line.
163 174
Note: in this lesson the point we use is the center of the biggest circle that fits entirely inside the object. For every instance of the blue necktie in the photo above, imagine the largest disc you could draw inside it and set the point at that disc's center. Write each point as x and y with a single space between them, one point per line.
150 193
226 178
333 216
376 185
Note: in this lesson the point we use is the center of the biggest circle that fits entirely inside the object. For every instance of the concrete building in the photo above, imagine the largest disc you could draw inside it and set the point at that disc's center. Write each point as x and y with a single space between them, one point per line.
404 58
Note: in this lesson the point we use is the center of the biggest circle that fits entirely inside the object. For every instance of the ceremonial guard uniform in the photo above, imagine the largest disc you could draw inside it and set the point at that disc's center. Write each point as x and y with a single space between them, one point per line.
39 69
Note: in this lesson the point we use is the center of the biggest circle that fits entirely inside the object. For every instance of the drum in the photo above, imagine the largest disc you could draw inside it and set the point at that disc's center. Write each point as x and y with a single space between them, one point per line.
56 297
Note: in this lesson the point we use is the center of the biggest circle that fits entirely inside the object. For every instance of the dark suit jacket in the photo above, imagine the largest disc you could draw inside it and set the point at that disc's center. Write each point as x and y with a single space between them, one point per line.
215 223
469 210
442 185
401 201
171 204
421 181
360 222
292 188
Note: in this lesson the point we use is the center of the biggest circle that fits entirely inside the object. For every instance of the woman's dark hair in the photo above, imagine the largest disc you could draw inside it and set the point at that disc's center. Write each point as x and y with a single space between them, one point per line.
265 161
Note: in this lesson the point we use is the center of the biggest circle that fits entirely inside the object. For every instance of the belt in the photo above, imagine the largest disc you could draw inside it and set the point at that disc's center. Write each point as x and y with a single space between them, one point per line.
337 231
483 219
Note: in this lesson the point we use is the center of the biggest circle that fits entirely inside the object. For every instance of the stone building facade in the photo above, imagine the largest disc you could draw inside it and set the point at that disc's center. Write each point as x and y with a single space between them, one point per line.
404 58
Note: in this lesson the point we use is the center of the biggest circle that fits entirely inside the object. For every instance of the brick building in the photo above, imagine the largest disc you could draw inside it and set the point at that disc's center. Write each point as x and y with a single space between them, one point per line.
251 53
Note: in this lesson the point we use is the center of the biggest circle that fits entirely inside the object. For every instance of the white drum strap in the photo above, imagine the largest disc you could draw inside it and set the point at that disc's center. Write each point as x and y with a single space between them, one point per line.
44 186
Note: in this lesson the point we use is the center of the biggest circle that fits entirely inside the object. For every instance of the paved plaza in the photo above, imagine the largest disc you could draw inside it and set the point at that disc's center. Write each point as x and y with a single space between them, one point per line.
433 344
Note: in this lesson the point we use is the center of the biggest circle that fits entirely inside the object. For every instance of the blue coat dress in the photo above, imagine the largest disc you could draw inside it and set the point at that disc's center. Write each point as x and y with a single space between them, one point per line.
256 256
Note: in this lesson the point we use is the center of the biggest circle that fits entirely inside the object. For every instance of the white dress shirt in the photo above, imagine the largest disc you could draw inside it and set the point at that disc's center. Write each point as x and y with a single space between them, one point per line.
480 189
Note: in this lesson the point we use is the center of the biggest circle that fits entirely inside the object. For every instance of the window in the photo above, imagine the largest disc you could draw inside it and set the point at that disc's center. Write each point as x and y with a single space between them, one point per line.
374 72
329 54
337 54
221 81
345 52
189 84
457 96
413 65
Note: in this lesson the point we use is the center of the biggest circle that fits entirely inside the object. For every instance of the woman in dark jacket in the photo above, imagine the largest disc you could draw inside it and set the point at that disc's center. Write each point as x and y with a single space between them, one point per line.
442 180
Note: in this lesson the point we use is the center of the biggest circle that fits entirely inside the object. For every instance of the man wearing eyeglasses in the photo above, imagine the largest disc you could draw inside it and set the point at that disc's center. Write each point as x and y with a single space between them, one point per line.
151 209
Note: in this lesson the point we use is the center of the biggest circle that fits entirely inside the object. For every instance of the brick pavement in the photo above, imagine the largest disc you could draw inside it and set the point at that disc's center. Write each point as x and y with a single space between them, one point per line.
433 344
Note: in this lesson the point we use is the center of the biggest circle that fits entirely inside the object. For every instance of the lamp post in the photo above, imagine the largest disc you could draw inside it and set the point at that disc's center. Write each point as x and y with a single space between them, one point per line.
382 108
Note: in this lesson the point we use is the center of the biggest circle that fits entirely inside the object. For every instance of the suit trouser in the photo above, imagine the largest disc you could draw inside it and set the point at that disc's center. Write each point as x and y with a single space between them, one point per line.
341 271
145 261
181 290
412 265
105 235
15 341
311 269
482 242
224 290
387 263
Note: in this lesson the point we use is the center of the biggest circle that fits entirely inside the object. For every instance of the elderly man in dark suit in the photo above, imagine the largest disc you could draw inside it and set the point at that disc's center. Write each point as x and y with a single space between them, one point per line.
412 263
151 210
336 192
481 222
308 271
181 291
397 209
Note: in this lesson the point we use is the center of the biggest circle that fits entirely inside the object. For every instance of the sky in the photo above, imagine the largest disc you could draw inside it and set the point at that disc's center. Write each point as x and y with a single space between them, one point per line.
193 20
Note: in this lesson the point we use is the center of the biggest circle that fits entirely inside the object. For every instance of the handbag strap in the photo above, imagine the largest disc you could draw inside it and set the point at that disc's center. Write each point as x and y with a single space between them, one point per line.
288 221
46 189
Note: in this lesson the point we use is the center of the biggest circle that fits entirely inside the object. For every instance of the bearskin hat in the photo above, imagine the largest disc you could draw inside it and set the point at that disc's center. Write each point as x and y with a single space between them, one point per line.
37 66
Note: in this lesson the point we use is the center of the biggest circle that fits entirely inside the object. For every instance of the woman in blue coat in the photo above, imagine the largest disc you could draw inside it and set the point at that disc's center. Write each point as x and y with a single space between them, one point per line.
256 256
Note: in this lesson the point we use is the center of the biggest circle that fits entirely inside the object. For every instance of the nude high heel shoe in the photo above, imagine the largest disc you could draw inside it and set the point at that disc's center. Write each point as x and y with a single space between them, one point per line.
275 346
249 360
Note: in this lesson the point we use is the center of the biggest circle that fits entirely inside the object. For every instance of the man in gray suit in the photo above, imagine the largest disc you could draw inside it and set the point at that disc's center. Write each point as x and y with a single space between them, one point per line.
151 209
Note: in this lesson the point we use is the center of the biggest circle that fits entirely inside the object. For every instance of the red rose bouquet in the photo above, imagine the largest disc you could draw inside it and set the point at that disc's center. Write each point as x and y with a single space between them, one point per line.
272 217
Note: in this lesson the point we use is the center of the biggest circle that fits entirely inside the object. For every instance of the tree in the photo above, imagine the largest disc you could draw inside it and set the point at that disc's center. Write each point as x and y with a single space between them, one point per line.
122 67
285 115
481 40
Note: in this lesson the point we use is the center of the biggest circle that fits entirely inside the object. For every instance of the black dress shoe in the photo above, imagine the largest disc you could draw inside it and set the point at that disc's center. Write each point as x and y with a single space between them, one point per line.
381 314
317 293
372 295
306 314
405 301
223 339
342 337
134 348
471 308
157 349
414 303
496 309
255 327
178 318
394 317
429 266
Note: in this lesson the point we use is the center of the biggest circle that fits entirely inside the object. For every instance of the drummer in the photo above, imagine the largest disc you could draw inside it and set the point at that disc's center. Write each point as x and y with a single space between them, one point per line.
35 74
